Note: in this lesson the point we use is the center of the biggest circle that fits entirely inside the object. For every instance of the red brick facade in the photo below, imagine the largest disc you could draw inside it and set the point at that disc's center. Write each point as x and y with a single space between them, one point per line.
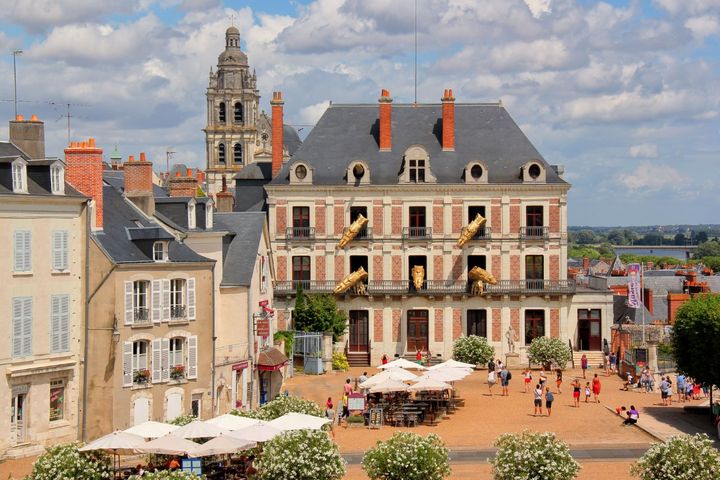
377 223
280 220
496 324
515 320
438 273
457 217
385 120
515 273
138 178
457 323
377 267
339 267
397 273
495 221
84 170
554 216
457 267
438 220
514 217
554 261
555 322
448 121
320 217
396 219
339 219
439 314
281 320
281 268
377 326
320 267
496 262
395 325
277 132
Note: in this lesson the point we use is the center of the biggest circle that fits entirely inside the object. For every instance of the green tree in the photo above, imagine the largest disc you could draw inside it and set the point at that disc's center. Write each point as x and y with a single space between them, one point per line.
585 237
301 455
606 250
319 313
682 457
616 237
408 456
577 251
652 238
473 349
680 239
65 461
533 455
547 350
696 338
701 237
712 262
708 249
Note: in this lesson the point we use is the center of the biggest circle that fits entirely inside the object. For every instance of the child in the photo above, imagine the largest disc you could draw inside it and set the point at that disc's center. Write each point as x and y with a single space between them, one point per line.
558 379
549 397
329 411
587 391
543 379
538 399
528 378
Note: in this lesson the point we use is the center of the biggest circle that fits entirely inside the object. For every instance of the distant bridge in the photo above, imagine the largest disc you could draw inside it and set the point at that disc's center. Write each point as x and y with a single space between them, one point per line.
678 251
689 248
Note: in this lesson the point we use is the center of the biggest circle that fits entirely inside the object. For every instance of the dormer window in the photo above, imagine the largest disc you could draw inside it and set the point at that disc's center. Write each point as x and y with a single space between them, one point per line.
57 179
416 166
191 216
417 171
160 251
209 215
533 172
19 176
300 172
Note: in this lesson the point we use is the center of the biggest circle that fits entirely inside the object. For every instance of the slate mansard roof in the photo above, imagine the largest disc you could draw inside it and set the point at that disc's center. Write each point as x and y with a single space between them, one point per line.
240 246
483 132
38 173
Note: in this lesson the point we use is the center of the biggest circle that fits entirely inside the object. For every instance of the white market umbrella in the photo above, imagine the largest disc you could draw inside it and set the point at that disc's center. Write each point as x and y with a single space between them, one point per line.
168 445
117 442
151 429
452 363
402 363
398 374
232 422
221 445
198 429
446 374
298 421
260 432
388 386
429 385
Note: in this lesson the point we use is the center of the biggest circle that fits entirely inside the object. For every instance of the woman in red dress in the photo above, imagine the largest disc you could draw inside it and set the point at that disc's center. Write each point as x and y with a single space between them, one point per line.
596 388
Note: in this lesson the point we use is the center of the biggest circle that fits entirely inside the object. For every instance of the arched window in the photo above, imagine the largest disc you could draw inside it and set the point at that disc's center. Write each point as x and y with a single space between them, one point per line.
221 112
237 153
238 112
221 153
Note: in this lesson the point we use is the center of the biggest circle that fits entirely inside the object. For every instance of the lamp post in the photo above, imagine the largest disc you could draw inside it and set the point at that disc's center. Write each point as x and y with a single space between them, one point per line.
15 53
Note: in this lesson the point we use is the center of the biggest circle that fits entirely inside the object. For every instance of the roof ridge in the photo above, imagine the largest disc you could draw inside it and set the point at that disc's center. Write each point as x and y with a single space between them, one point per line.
419 105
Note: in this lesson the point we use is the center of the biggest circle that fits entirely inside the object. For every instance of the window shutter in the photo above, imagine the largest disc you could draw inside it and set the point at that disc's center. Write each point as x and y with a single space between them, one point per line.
22 254
64 250
191 298
64 323
156 301
27 327
57 250
128 303
165 359
156 362
17 311
127 364
166 300
27 249
55 323
192 357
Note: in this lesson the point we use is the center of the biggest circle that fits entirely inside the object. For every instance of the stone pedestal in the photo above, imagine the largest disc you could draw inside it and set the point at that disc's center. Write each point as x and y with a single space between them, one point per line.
512 360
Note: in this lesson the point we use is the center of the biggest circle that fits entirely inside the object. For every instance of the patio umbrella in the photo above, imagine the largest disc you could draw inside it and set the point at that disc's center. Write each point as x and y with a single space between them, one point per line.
151 429
221 445
260 432
118 443
389 385
198 429
402 363
232 422
452 364
446 374
399 374
168 445
430 385
298 421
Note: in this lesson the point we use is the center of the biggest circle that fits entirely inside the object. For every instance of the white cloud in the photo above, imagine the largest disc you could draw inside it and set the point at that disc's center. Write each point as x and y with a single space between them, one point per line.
644 150
703 26
539 7
692 7
311 114
649 177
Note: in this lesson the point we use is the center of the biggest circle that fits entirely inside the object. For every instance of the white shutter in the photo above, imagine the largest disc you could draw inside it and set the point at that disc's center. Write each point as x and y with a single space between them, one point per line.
165 359
156 362
55 323
65 250
191 298
166 300
27 249
60 250
64 323
27 327
17 311
22 255
127 364
128 303
192 357
156 301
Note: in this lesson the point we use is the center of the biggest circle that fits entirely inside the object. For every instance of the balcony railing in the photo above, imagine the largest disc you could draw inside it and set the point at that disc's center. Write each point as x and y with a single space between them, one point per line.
141 315
483 233
417 233
364 234
534 233
300 233
177 312
435 287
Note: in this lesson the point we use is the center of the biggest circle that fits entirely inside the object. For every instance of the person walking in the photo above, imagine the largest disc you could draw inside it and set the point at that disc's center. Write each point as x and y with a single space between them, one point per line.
528 378
558 380
491 380
345 408
665 391
384 359
584 364
543 379
587 391
576 393
613 362
596 388
681 386
549 397
491 365
538 393
505 380
347 388
606 364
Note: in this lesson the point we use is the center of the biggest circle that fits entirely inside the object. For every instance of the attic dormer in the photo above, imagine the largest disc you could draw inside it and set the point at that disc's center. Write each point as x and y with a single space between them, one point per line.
57 178
533 172
19 176
301 173
416 166
358 173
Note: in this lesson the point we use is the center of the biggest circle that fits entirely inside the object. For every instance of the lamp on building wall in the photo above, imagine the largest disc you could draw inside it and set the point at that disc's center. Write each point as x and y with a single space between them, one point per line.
115 331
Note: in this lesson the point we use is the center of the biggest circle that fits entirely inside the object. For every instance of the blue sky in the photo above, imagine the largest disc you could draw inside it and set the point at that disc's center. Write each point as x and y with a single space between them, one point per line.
622 93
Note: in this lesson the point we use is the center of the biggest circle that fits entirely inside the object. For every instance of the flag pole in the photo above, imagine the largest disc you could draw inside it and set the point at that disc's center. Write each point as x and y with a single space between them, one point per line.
642 300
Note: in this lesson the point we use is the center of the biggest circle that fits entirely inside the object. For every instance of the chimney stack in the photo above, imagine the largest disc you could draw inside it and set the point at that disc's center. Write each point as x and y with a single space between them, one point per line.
277 103
224 200
28 136
181 186
448 121
385 102
84 171
139 184
586 265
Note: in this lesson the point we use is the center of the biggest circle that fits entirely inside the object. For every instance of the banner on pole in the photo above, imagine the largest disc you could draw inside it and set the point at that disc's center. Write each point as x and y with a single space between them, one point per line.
633 273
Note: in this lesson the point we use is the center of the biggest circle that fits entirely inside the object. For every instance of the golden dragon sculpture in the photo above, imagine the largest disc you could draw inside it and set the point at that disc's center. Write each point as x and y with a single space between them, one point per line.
479 277
352 231
470 230
355 281
418 276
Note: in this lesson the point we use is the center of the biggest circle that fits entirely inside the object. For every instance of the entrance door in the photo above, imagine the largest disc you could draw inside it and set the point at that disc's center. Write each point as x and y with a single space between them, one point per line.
141 411
417 330
589 336
358 331
19 416
174 406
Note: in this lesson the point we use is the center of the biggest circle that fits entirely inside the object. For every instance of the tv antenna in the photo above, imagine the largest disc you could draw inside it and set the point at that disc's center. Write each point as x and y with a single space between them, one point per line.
68 115
416 5
168 155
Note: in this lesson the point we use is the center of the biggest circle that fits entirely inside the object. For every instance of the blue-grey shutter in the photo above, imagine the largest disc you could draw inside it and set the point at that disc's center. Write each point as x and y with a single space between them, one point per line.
64 323
192 356
55 323
156 360
22 253
17 315
129 314
157 301
190 298
27 326
127 364
60 250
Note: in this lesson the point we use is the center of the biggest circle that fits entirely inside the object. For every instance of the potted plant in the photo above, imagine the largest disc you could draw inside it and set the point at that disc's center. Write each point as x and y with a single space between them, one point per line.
314 363
142 376
177 372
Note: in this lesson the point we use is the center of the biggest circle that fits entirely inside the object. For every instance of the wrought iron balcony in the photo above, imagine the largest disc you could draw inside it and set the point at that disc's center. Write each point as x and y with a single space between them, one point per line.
417 233
364 234
300 233
141 315
483 233
177 312
534 233
531 287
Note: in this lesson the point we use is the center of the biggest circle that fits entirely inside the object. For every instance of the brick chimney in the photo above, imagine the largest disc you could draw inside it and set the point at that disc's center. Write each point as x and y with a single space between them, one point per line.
648 298
84 170
28 136
224 200
586 265
183 186
674 301
448 121
385 133
139 184
277 103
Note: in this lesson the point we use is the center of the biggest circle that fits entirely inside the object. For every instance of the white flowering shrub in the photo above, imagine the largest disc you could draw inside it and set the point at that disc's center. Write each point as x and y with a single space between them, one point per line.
473 349
282 405
533 455
168 475
182 420
65 462
683 457
301 455
407 456
546 350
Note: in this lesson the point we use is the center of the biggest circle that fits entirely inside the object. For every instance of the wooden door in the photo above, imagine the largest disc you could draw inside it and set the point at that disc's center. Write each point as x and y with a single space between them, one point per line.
417 330
358 341
589 329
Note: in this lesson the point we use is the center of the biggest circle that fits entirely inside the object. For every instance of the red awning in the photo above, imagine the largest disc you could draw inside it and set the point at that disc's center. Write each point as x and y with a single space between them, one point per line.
271 360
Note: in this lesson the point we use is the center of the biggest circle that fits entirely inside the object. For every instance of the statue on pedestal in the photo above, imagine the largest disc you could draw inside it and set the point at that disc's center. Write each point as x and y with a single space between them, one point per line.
511 338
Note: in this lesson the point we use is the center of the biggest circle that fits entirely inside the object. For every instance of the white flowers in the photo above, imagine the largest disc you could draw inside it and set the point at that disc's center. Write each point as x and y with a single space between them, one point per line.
64 461
683 457
473 349
544 350
301 455
408 456
531 455
282 405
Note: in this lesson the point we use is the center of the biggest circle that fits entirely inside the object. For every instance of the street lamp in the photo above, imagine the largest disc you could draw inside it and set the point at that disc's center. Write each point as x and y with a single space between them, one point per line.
15 53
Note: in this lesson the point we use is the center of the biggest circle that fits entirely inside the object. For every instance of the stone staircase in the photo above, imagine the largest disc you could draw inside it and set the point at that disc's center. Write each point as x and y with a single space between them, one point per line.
358 359
595 358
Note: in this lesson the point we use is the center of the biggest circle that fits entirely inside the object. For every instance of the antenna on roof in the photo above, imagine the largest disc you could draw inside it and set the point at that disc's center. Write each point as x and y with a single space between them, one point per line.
168 155
416 3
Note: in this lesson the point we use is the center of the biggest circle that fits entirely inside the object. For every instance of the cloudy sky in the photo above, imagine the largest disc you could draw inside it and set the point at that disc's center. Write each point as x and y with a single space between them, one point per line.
624 93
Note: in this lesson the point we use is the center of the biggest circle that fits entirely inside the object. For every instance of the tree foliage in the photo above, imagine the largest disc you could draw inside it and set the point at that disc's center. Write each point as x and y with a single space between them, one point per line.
533 455
547 350
318 313
696 338
712 262
282 405
65 461
683 457
473 349
168 475
708 249
182 420
408 456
